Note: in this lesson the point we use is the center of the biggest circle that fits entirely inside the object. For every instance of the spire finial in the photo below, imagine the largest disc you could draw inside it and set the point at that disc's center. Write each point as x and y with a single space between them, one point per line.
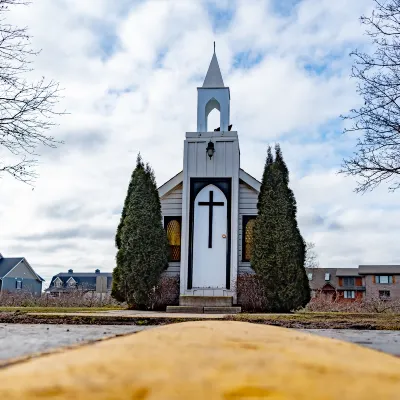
214 47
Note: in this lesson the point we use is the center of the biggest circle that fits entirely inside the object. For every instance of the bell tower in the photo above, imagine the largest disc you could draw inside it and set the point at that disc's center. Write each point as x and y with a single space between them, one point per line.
210 196
213 94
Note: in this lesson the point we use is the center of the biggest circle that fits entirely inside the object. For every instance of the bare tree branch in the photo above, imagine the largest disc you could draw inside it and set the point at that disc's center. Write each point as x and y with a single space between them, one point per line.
26 108
311 256
377 157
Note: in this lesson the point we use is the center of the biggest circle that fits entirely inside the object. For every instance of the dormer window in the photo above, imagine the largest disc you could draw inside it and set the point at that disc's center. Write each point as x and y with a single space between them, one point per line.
58 282
71 282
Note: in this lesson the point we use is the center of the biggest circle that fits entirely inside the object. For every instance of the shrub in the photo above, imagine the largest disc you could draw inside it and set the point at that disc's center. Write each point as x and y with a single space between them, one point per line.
365 305
250 293
75 298
166 293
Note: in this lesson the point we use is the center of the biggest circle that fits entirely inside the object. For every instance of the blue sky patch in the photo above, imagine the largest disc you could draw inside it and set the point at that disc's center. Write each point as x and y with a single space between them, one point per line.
247 59
220 17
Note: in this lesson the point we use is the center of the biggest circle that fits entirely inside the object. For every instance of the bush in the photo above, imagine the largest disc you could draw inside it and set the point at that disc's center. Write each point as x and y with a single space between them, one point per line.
75 298
165 293
365 305
250 293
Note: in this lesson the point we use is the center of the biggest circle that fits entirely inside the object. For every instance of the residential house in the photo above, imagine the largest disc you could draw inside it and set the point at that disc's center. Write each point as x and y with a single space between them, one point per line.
89 282
16 274
349 284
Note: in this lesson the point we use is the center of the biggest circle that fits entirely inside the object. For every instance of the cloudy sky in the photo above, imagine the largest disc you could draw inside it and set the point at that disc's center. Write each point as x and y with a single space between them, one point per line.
130 69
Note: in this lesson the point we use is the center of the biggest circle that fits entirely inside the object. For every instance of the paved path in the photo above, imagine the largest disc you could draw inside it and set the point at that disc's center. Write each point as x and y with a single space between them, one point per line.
18 340
386 341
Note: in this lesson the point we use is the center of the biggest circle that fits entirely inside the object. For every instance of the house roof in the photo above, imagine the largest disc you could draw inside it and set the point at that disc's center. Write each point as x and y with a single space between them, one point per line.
213 78
7 264
378 269
347 272
87 280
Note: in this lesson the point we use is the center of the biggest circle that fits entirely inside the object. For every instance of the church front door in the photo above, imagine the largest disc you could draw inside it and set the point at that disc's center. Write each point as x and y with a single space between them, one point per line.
210 238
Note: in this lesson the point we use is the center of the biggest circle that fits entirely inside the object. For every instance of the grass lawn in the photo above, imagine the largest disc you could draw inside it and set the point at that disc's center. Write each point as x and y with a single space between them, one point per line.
326 320
58 309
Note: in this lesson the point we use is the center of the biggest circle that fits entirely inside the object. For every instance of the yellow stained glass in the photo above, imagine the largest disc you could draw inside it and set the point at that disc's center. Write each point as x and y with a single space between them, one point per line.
174 240
248 239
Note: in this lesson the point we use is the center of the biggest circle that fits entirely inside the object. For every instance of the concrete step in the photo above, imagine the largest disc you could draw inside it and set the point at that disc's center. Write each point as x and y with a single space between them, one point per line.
222 310
205 310
205 301
185 309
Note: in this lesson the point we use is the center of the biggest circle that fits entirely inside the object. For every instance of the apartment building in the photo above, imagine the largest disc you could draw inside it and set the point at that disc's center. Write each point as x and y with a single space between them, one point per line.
350 284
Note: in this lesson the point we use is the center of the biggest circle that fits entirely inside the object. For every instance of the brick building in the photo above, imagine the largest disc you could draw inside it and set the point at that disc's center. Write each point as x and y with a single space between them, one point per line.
350 284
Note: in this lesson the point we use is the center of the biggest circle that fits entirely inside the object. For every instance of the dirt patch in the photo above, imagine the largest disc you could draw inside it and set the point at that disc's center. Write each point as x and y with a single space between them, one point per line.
297 321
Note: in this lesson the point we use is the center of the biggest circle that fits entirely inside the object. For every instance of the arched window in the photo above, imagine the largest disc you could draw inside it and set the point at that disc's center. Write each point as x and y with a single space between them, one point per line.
173 229
213 116
248 237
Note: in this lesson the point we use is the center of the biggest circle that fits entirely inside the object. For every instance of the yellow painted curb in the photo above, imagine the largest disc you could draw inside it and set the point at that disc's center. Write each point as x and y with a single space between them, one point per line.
208 360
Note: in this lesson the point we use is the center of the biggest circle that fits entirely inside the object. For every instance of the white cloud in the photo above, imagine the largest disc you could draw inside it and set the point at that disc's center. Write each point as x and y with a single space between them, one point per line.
130 74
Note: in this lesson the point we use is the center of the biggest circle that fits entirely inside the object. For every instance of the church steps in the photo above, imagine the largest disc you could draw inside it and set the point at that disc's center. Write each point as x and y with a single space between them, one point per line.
203 310
206 301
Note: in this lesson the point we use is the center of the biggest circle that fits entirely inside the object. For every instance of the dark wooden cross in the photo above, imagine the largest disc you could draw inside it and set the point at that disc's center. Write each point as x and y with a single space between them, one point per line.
210 205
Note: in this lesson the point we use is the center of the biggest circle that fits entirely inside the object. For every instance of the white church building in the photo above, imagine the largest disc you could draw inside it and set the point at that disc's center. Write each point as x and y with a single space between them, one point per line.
209 207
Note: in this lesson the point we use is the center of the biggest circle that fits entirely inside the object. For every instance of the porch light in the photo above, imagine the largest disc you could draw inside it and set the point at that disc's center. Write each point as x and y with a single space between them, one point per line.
210 149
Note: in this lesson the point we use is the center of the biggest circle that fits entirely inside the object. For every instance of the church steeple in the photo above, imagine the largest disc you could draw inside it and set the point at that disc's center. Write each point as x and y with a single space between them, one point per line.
213 94
213 78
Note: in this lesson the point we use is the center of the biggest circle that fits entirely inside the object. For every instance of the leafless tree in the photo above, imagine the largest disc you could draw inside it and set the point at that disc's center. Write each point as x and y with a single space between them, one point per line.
26 108
311 256
377 157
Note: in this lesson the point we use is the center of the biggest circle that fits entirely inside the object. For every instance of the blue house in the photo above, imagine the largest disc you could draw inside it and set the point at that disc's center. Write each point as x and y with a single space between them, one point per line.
17 275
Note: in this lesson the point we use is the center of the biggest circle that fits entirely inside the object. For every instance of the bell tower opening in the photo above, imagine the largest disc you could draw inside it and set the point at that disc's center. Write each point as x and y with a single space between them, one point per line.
213 115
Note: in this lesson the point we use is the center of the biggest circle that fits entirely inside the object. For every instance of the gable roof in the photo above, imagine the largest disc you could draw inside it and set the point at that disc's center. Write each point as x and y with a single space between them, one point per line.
7 264
213 78
178 178
169 185
87 280
250 180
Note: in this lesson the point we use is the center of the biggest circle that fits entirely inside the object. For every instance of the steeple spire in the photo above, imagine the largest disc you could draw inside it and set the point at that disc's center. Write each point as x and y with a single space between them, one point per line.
213 78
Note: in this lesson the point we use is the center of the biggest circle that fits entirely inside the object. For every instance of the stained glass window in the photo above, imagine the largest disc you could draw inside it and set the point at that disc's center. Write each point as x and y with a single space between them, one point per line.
248 228
173 228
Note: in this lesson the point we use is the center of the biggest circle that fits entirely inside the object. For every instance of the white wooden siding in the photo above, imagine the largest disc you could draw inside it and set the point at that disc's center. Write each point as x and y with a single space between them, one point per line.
171 203
248 198
171 206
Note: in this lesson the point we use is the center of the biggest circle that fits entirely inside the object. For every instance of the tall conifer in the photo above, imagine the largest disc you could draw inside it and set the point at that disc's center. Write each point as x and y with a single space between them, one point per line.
279 249
143 247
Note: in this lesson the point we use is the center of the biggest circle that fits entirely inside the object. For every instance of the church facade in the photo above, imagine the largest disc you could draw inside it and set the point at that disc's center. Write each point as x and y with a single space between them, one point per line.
209 208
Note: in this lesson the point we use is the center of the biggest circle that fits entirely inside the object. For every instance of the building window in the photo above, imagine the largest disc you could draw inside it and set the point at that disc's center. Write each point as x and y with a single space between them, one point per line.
327 276
384 294
384 279
349 294
348 281
247 236
172 226
58 283
71 282
309 275
18 284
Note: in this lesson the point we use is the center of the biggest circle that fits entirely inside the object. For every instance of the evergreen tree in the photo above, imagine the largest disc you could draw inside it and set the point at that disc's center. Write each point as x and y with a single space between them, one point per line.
279 249
118 287
142 241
